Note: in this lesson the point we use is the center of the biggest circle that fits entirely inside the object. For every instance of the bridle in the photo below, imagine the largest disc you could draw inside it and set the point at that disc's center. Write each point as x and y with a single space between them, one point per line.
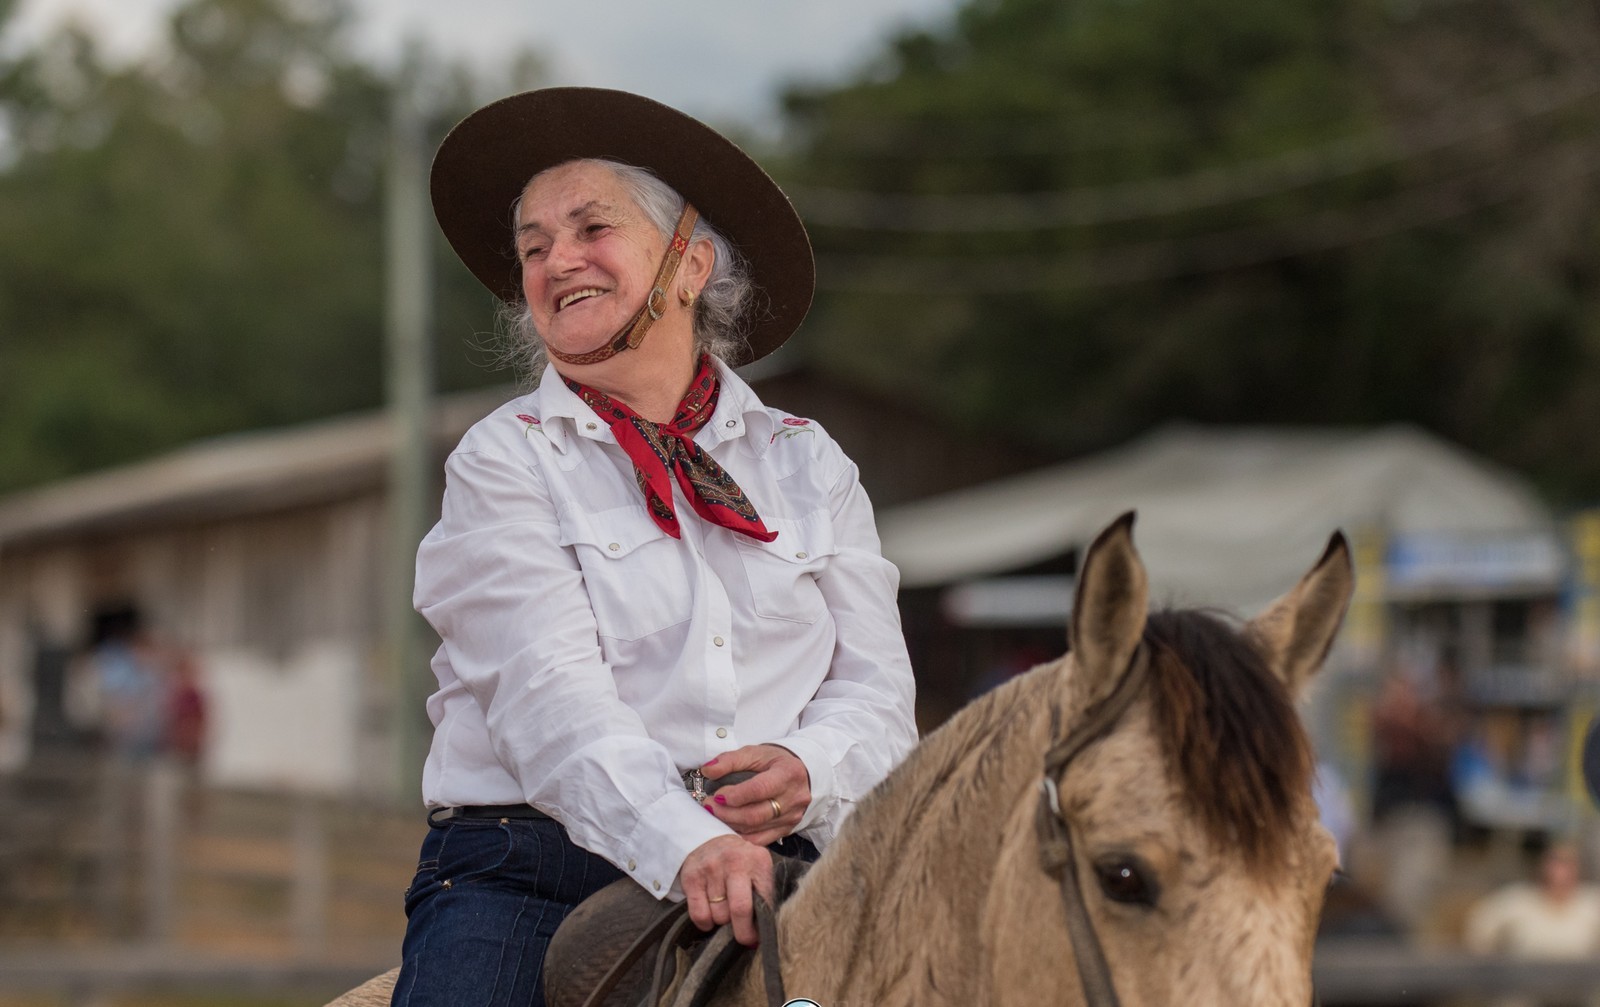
1056 854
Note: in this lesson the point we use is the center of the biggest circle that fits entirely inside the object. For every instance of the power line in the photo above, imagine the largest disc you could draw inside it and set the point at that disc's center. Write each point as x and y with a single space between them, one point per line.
1221 251
1171 196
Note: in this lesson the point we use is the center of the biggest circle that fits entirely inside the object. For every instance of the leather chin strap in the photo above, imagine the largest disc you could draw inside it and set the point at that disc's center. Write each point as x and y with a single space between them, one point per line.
655 304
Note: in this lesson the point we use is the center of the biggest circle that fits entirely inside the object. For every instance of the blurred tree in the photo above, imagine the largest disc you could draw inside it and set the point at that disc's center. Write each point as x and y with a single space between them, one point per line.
191 245
1078 220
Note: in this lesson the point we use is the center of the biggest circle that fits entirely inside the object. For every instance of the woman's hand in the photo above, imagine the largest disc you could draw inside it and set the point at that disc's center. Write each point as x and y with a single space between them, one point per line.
768 806
720 878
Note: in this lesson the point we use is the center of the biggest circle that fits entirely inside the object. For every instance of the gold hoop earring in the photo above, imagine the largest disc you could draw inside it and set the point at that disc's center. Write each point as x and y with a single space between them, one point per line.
686 297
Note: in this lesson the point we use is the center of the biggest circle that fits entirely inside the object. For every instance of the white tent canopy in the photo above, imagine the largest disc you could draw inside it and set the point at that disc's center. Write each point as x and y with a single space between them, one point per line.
1228 516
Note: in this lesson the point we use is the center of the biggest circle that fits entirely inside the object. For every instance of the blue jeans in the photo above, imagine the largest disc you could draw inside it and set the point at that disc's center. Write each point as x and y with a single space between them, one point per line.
486 899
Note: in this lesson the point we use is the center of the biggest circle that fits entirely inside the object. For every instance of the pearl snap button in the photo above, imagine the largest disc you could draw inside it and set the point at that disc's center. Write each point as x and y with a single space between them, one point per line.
589 426
731 424
799 555
614 546
722 732
656 885
632 864
717 640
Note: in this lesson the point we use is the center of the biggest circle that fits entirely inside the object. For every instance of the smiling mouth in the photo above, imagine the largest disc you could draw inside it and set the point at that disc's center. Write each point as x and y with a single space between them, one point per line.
578 295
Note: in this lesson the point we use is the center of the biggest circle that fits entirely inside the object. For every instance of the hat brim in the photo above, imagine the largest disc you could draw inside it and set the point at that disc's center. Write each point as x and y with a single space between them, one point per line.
487 159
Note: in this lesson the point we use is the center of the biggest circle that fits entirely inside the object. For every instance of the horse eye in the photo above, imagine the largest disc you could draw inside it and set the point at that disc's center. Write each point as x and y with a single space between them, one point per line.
1126 880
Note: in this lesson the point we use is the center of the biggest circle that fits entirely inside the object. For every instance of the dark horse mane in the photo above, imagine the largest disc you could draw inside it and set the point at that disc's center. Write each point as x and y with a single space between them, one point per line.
1229 730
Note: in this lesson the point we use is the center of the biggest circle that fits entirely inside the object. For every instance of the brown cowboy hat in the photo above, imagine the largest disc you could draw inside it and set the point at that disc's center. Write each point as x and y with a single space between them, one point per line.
486 160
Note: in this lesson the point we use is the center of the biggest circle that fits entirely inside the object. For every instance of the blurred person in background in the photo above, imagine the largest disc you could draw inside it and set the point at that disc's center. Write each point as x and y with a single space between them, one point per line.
186 713
1413 802
126 677
644 579
186 728
1557 917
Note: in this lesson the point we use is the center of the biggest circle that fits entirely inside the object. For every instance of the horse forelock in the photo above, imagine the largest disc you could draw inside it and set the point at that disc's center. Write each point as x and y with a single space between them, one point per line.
1229 731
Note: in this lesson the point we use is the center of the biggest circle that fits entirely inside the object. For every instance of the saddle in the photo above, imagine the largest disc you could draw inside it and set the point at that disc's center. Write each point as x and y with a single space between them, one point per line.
621 947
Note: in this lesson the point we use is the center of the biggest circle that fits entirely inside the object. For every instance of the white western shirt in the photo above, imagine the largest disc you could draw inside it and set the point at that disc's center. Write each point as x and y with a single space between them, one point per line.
588 657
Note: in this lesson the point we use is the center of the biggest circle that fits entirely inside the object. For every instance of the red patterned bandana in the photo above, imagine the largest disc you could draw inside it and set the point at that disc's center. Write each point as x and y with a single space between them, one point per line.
659 448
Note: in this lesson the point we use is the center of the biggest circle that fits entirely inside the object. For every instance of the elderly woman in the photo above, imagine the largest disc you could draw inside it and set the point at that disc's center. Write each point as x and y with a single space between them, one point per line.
644 578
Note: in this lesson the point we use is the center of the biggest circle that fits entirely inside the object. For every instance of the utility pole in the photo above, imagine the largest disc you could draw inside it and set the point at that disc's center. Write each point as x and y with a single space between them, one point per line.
408 322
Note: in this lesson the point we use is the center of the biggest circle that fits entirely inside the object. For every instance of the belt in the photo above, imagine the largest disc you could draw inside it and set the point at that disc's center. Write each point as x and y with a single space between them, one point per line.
697 785
491 811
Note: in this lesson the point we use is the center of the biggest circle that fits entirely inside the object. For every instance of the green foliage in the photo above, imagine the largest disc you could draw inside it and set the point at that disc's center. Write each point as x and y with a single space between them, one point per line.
1234 211
1068 220
194 246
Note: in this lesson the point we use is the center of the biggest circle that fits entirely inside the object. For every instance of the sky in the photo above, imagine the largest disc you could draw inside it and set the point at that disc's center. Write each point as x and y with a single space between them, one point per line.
721 60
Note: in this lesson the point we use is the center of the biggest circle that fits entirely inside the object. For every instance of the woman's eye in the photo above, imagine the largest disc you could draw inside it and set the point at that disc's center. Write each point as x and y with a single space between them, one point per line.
593 229
1125 880
532 251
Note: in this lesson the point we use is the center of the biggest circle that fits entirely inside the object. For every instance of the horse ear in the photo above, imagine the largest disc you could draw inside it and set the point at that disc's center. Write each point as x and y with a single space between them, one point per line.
1108 612
1297 630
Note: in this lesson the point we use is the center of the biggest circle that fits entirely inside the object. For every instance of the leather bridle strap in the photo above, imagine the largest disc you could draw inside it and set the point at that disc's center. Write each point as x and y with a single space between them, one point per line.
1098 990
1056 853
655 304
771 953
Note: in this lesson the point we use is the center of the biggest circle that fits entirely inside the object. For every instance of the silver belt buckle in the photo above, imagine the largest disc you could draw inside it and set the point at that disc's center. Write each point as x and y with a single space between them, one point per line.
695 781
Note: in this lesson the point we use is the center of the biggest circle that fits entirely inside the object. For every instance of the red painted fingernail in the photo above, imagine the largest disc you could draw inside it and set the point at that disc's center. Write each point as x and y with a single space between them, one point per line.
713 762
720 799
708 810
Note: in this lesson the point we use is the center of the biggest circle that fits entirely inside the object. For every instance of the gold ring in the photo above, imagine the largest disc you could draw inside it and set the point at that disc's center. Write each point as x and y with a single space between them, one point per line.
777 809
719 898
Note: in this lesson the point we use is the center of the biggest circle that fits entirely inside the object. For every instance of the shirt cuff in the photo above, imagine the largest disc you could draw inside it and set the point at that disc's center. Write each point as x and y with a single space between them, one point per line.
824 792
668 831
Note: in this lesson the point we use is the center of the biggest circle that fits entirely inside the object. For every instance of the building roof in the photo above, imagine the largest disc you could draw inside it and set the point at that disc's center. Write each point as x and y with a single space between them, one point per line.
904 454
1229 516
236 474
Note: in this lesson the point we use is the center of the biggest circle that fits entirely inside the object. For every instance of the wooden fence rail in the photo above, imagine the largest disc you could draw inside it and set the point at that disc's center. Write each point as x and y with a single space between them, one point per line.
1346 973
98 854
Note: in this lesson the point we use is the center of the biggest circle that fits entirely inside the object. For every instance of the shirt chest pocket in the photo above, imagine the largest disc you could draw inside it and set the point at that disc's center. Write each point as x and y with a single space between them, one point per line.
783 573
633 571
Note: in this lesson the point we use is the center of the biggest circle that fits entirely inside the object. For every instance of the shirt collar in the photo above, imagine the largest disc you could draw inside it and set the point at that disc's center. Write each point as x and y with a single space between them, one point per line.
558 402
739 412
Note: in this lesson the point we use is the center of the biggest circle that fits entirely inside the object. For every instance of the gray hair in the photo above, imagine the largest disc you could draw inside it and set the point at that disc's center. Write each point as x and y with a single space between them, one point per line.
722 311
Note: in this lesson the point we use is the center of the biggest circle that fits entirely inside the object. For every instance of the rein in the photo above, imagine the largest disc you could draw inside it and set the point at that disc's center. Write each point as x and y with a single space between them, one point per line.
672 930
1056 854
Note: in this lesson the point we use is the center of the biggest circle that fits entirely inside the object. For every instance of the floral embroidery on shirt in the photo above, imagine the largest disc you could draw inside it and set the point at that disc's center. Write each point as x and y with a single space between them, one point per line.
532 423
793 426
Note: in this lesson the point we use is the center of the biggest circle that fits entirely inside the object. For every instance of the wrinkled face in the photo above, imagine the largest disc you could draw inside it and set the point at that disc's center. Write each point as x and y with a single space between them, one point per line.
1180 920
589 255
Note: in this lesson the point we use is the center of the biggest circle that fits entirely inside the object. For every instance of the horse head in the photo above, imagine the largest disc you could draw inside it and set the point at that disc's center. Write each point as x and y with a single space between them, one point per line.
1171 851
